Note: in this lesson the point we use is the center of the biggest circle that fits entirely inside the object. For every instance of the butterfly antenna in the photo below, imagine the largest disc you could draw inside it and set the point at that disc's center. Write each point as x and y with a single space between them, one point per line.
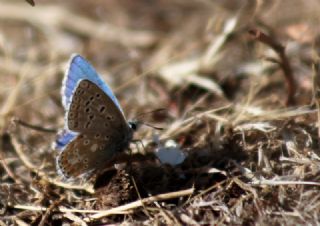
149 112
152 126
34 127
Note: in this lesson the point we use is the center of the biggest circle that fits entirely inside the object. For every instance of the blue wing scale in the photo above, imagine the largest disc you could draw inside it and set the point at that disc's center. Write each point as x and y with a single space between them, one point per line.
78 70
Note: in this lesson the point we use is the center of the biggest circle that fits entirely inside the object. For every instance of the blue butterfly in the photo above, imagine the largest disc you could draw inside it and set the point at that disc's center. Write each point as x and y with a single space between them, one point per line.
95 125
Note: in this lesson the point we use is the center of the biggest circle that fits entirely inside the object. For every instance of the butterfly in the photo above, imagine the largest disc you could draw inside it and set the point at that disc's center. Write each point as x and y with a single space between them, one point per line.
95 126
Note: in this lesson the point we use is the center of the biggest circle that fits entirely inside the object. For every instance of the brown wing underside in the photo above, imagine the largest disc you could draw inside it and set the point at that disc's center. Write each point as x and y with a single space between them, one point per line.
87 153
91 109
103 131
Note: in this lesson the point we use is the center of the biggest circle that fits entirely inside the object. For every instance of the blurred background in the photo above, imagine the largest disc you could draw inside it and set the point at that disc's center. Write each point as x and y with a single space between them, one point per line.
150 52
194 58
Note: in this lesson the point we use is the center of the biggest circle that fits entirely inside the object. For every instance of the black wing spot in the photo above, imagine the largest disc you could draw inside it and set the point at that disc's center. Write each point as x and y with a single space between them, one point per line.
110 117
79 91
84 84
75 98
88 124
102 109
97 135
86 142
91 117
91 98
98 95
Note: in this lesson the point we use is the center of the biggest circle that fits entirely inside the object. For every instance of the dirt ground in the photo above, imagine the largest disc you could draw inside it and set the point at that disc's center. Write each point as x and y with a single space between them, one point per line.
232 85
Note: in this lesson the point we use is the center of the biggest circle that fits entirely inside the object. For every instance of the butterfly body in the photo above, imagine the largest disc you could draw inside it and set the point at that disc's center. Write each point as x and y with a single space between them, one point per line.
95 126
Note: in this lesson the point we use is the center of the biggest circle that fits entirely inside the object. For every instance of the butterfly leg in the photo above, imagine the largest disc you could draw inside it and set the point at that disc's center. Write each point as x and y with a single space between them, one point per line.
130 162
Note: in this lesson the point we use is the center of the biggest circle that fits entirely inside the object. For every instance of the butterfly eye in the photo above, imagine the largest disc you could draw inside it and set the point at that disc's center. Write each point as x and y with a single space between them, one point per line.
133 126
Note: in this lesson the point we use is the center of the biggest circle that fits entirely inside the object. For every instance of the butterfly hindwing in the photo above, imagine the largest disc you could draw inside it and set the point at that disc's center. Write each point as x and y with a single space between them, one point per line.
91 151
64 137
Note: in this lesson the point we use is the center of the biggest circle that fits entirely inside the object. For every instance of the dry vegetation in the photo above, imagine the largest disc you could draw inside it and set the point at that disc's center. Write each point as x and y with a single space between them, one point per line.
239 81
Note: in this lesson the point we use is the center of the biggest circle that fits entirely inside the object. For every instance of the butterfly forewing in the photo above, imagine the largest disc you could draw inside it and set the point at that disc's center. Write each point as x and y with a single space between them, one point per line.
96 129
103 131
91 109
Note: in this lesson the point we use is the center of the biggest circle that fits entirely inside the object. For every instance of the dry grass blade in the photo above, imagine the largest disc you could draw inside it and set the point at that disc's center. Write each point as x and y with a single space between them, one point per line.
59 18
284 62
140 203
227 131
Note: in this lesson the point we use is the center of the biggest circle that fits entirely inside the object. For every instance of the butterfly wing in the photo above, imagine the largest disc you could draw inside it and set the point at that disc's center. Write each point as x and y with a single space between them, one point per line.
80 69
87 153
64 137
91 110
101 127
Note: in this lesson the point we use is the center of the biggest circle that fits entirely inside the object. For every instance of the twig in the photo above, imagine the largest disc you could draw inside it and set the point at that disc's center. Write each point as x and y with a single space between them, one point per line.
139 196
284 62
117 210
185 124
61 209
87 188
316 88
139 203
31 2
49 211
75 219
7 168
18 147
277 183
34 127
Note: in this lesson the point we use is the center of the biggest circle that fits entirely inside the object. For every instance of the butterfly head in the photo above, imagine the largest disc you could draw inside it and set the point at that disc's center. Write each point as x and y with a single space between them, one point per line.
134 124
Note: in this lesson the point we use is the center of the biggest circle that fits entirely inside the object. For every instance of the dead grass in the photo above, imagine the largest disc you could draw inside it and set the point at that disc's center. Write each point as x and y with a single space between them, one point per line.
245 110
